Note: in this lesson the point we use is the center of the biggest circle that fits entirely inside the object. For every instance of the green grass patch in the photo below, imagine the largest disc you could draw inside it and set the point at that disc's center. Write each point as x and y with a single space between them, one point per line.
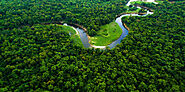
106 35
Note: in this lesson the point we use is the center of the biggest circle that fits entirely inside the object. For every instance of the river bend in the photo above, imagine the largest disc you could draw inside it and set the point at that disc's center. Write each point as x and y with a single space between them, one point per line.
84 36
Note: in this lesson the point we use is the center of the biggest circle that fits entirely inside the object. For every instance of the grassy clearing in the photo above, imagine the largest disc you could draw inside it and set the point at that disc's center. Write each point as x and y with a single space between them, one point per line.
74 36
106 35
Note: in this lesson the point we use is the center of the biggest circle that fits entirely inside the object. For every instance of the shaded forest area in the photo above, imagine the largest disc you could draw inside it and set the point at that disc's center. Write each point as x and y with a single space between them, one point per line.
44 58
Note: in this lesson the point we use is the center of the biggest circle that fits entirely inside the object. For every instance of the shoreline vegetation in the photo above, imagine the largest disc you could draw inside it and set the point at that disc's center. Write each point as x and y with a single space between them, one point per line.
73 34
68 29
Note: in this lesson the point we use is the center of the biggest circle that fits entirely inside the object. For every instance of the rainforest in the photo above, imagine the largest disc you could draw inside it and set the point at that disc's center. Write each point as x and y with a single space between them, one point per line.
92 45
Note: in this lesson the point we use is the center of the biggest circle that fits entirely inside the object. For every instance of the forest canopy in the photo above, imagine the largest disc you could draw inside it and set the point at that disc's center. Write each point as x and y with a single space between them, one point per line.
38 57
89 13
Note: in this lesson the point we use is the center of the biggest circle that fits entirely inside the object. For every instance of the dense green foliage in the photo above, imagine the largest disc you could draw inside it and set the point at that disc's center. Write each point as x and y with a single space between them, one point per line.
157 41
89 13
44 58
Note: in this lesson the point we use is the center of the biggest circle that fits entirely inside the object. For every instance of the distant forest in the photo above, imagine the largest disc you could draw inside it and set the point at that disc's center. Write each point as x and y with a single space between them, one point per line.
36 57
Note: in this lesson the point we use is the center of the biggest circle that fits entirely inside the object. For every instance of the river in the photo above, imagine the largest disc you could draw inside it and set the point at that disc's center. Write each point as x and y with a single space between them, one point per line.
85 40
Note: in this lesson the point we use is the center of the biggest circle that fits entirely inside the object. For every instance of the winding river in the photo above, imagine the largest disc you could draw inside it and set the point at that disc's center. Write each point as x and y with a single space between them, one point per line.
84 36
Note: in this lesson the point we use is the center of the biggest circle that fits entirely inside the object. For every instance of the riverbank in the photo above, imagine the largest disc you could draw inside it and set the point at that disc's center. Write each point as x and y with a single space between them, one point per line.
126 26
72 32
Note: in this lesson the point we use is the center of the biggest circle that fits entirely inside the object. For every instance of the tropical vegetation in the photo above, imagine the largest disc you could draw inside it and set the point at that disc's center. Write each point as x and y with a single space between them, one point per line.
36 57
